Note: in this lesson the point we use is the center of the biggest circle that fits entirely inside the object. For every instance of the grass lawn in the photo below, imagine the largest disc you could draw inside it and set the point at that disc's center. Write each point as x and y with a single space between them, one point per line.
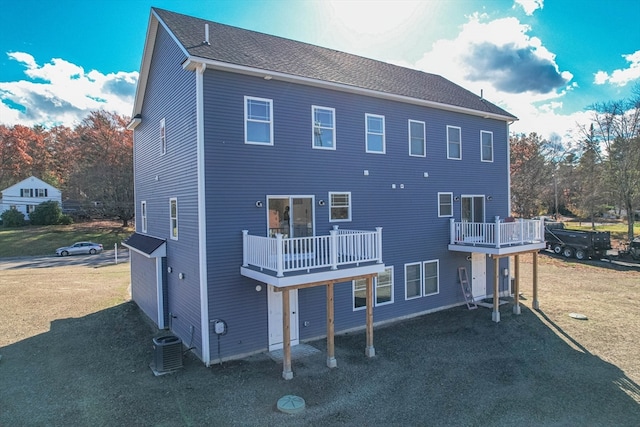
44 240
618 229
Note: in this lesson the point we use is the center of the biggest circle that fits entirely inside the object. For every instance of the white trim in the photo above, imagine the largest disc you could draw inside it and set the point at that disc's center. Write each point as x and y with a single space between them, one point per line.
202 218
424 137
407 297
376 283
313 128
160 294
448 142
367 132
331 193
143 216
171 236
246 120
481 147
163 137
451 198
424 263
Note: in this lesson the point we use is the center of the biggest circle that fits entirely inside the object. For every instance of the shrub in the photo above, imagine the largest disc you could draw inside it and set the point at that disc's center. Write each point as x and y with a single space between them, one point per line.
12 218
65 219
46 213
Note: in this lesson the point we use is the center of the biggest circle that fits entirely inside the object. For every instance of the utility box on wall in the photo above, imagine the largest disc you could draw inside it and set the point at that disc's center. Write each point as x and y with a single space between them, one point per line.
167 354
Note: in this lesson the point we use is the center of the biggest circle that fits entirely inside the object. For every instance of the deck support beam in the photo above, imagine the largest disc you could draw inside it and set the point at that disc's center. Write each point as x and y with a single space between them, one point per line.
495 316
536 303
516 287
331 358
370 351
287 373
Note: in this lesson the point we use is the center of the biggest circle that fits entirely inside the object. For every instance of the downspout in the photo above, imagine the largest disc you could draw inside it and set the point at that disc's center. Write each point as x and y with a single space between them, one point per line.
202 217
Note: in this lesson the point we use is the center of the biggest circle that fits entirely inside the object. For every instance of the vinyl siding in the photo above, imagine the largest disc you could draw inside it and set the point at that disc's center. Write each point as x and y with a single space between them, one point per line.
237 175
170 95
144 289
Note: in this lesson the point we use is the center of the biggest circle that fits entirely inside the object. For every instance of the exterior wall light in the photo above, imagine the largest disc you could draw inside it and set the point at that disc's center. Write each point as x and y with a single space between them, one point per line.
259 204
489 198
321 203
456 198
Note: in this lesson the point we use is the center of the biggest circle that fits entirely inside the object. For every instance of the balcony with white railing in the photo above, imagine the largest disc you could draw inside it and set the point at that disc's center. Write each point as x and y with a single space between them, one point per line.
283 261
501 237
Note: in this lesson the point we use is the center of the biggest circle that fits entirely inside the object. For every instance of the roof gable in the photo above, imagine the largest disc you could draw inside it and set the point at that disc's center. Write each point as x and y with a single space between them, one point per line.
30 182
243 51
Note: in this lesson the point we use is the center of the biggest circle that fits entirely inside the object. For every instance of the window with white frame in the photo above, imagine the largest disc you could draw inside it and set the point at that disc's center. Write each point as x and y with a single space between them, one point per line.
41 192
143 215
421 279
454 143
26 192
383 290
417 139
31 208
173 215
445 204
163 137
375 133
486 146
339 206
324 127
258 121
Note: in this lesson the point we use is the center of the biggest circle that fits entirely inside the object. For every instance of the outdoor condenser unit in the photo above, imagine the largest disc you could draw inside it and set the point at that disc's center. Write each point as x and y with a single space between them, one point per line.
167 353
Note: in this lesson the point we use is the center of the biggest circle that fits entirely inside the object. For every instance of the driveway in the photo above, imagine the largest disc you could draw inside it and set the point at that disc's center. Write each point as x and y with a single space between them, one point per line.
103 258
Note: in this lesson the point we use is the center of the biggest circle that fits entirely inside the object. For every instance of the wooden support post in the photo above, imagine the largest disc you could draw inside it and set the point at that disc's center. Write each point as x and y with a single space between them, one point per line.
331 359
369 351
495 316
287 373
536 303
516 287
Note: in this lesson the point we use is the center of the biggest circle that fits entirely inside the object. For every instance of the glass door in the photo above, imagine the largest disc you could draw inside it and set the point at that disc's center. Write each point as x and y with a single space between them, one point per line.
473 208
291 216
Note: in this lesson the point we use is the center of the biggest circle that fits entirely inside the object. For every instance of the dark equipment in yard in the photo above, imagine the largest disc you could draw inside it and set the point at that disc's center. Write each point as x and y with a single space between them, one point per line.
167 354
631 250
576 243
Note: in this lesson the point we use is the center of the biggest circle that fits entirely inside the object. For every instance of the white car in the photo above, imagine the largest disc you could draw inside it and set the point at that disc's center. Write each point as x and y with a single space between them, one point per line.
80 248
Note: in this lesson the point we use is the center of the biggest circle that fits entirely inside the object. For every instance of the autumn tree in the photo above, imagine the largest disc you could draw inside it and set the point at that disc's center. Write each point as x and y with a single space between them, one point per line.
15 160
530 174
103 173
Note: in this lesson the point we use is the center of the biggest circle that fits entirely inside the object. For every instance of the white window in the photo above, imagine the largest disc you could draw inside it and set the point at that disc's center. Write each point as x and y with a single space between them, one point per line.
163 138
324 127
26 192
445 204
339 207
375 133
41 192
421 279
486 146
143 214
173 215
417 139
31 208
258 121
454 143
383 290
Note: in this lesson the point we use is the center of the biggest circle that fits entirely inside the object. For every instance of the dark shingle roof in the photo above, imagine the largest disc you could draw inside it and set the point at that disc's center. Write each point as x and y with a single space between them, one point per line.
142 243
237 46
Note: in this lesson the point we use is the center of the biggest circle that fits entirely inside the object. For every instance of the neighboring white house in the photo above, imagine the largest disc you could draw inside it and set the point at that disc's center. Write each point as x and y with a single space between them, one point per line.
27 194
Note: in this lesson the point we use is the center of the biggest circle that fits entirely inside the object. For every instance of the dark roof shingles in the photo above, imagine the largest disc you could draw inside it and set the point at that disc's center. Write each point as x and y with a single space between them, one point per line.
271 53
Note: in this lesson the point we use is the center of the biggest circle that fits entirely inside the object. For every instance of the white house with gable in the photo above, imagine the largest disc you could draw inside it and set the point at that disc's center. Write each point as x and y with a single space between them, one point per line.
27 194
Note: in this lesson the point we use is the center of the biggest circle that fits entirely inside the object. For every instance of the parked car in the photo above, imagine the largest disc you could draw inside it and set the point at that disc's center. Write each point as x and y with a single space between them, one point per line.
80 248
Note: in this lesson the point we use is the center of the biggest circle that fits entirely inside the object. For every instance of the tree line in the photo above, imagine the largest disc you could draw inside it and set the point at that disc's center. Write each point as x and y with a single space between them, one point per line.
91 163
600 173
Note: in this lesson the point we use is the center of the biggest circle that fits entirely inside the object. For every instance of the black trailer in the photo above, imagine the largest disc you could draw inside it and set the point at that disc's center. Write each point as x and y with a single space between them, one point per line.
579 243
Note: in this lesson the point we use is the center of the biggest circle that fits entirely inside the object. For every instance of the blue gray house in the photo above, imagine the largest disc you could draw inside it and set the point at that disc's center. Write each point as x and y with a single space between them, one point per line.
286 192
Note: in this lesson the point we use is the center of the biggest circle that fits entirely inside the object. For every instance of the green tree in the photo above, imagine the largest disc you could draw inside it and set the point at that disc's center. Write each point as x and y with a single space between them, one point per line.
46 213
12 218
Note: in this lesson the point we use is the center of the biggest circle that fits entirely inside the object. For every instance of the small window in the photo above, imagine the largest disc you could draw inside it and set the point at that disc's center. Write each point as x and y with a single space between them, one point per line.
173 215
383 290
41 192
163 138
339 207
375 134
31 208
486 146
454 143
445 204
26 192
143 215
422 279
258 119
417 139
324 129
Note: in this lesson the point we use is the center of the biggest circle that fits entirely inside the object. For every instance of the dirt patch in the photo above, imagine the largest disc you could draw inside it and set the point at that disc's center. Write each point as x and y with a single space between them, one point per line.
75 352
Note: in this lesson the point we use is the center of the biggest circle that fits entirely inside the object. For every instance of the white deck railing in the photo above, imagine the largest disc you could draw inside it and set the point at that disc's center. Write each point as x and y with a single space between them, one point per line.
497 234
340 247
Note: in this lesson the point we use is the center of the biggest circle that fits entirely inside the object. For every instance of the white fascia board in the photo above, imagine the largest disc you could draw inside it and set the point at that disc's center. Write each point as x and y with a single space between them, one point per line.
192 62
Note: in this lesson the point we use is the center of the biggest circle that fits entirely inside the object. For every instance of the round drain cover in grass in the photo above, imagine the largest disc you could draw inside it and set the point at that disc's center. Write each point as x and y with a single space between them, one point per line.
578 316
290 404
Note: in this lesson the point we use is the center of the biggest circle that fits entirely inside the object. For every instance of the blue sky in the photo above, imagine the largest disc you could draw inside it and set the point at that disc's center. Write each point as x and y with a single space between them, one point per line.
544 61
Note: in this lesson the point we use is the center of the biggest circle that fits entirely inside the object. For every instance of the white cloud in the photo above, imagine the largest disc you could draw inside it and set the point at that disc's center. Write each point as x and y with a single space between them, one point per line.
60 92
529 6
621 77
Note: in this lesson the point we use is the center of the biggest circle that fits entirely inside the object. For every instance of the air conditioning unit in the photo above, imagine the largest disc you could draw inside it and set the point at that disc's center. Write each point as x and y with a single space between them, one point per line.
167 354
